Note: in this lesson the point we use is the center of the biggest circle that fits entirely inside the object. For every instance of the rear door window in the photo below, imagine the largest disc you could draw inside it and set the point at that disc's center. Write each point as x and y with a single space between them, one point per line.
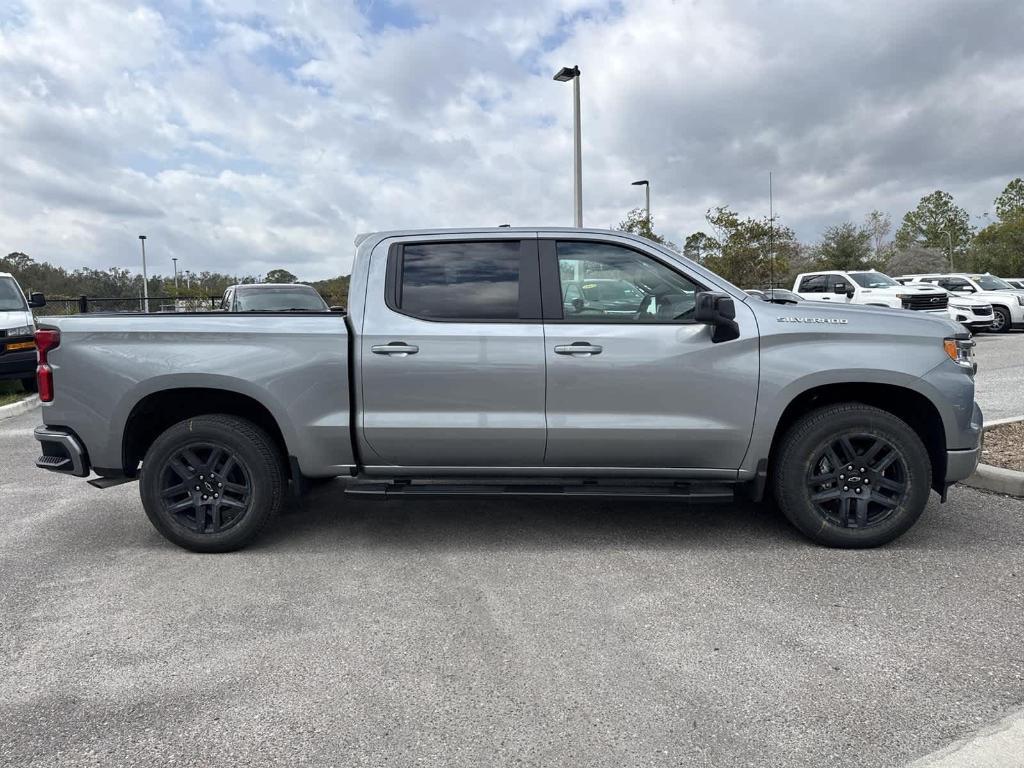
465 281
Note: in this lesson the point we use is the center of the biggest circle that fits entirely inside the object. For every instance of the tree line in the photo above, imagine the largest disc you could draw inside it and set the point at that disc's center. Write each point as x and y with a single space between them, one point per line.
937 236
117 283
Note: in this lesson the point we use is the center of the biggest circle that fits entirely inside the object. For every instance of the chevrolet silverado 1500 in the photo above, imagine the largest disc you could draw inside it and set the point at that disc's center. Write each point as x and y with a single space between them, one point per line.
462 367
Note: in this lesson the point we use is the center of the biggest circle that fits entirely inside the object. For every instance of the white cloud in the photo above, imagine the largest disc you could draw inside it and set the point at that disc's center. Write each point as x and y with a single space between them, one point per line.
243 137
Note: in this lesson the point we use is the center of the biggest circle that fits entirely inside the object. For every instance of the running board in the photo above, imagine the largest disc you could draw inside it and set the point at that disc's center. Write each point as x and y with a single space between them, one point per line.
702 493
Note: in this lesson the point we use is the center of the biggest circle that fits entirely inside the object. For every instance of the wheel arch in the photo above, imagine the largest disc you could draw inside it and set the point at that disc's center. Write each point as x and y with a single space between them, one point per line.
906 404
157 411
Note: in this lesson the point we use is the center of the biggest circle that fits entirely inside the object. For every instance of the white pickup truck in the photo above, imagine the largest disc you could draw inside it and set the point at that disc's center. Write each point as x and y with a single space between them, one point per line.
871 288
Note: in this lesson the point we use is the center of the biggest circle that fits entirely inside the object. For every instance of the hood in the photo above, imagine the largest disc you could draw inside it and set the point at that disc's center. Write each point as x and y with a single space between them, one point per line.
14 318
968 300
859 317
1004 295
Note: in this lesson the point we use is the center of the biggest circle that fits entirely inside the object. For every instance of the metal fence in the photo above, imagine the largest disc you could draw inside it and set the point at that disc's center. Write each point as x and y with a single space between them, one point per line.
86 304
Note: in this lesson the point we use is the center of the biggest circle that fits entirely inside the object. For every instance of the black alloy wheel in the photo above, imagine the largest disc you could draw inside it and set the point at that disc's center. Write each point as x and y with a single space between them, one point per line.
206 487
857 480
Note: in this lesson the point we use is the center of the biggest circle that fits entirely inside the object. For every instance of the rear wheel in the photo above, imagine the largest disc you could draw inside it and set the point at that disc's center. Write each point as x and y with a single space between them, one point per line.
851 475
1001 320
211 483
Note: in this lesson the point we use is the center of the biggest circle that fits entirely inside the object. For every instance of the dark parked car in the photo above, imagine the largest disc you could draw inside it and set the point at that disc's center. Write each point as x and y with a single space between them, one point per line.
273 297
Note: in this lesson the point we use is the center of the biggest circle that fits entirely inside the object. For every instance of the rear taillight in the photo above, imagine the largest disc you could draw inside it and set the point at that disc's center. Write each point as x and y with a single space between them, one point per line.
46 339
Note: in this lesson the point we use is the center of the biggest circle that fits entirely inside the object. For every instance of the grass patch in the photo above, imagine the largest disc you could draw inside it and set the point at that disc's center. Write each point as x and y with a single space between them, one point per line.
11 392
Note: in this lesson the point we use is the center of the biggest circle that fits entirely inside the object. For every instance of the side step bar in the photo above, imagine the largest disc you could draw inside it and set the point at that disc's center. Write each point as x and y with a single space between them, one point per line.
702 493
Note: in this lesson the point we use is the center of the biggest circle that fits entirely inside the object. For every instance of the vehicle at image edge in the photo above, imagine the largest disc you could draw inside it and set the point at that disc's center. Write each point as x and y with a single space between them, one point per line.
1016 283
17 333
1007 302
272 297
457 371
870 288
976 315
776 295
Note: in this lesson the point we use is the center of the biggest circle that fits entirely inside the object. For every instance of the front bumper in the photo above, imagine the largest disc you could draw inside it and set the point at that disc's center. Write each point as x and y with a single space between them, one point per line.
961 463
62 452
18 365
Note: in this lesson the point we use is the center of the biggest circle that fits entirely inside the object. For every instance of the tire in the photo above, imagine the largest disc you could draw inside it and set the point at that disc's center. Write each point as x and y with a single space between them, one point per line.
212 483
30 384
817 491
1001 320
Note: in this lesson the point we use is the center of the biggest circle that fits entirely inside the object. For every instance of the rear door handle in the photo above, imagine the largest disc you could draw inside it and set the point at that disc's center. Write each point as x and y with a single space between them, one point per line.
580 348
396 348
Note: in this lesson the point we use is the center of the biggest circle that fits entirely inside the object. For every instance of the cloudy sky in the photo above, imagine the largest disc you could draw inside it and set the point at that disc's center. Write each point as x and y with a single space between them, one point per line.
243 136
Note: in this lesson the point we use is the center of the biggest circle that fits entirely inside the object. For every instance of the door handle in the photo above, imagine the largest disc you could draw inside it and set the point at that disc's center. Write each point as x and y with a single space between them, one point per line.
580 348
397 348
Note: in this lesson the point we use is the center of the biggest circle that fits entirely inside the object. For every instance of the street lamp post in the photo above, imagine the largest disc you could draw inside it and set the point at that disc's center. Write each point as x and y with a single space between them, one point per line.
949 239
564 75
145 276
647 191
175 260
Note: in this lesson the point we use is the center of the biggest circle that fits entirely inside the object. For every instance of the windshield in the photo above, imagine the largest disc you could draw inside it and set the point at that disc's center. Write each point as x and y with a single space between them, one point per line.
11 297
611 290
990 283
280 300
872 280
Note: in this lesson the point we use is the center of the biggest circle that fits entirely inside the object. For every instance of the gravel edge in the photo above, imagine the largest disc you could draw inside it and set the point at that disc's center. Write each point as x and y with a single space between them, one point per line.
997 479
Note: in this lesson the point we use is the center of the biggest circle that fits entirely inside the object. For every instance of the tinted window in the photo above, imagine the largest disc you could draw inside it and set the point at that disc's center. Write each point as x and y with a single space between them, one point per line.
11 297
461 281
620 285
990 283
814 284
956 284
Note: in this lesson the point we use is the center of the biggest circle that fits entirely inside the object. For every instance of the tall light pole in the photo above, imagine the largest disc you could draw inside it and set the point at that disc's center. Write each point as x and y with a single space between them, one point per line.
145 276
564 75
647 189
175 260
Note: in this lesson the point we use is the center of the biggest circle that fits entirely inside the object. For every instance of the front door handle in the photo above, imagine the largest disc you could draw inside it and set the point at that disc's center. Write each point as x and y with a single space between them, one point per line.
580 348
396 348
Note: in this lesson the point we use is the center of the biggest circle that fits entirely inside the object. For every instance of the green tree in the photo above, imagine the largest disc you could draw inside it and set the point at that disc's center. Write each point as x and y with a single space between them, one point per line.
748 252
845 246
638 223
1010 203
280 276
915 259
937 222
698 245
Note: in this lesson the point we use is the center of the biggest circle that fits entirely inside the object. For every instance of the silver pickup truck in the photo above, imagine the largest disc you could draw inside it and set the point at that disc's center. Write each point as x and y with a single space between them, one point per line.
462 368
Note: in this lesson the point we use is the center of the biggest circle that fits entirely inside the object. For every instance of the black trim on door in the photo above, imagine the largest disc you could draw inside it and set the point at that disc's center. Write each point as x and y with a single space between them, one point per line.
551 284
529 304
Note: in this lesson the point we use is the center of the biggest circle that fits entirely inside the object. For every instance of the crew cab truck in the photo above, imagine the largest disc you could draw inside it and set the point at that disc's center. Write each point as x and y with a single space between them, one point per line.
459 371
870 288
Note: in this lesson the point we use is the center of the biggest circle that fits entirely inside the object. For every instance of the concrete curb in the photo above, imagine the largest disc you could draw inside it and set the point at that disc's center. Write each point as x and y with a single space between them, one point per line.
997 479
16 409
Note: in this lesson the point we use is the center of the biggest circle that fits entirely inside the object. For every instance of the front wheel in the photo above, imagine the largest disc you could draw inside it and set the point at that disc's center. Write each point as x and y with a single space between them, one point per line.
850 475
1001 320
211 483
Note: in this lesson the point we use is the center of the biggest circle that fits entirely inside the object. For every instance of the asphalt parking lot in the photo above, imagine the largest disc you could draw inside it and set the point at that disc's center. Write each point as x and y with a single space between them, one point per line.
1000 381
495 633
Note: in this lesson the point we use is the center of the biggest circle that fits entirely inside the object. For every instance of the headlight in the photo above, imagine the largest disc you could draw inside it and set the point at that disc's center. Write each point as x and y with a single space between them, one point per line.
961 352
21 330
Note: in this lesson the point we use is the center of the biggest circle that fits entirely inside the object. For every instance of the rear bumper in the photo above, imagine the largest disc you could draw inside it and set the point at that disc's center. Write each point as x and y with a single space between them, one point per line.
62 452
18 365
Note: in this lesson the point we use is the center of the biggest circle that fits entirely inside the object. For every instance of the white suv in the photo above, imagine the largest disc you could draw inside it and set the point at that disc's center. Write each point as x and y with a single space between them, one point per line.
17 329
871 288
1007 302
